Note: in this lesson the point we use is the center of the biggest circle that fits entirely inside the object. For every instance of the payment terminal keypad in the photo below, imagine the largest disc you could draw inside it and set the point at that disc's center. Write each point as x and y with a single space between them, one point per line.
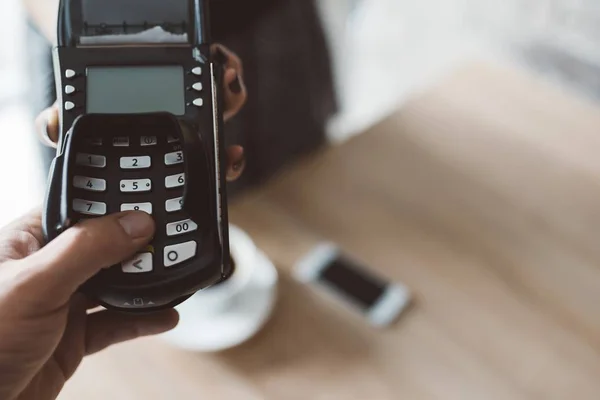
140 172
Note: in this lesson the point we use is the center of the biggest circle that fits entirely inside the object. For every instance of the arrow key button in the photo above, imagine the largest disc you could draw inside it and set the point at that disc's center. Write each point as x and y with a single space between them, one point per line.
141 263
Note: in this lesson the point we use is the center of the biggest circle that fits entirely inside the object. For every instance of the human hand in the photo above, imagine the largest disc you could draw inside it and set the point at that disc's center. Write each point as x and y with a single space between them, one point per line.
235 98
46 328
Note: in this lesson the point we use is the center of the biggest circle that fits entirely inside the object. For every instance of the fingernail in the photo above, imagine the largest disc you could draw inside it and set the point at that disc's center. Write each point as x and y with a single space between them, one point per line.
137 224
235 86
44 131
238 165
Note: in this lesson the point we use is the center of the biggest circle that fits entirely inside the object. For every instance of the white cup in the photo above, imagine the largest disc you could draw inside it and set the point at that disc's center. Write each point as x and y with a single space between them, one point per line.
217 298
230 313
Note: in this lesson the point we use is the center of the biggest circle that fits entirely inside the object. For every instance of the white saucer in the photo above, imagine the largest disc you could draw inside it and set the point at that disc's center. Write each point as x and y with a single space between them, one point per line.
235 311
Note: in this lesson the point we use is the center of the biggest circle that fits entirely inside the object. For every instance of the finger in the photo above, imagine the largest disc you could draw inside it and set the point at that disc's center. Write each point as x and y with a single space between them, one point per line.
228 58
56 271
21 237
106 328
235 93
71 348
236 162
46 125
233 81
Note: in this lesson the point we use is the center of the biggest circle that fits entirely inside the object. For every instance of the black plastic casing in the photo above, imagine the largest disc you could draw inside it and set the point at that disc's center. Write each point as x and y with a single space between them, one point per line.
201 135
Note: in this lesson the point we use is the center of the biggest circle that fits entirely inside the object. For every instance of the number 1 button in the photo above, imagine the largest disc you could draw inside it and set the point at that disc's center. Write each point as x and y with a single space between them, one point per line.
135 162
90 160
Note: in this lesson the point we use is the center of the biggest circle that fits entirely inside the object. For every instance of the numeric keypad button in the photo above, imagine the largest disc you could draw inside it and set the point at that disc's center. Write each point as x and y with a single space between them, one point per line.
181 227
138 265
173 181
89 207
178 253
120 141
91 184
135 185
135 162
148 141
173 205
146 207
90 160
174 158
97 141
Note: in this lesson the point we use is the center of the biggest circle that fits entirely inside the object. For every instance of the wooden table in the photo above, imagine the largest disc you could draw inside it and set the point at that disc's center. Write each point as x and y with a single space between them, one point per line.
483 196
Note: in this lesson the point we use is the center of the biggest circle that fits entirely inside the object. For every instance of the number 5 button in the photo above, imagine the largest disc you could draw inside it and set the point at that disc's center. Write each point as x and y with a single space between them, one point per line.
136 185
181 227
135 162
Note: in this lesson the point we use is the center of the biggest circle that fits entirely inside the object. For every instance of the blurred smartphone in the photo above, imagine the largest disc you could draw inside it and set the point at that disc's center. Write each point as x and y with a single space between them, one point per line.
376 298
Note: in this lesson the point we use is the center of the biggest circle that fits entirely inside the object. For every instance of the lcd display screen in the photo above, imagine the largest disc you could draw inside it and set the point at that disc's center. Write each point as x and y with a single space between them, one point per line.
131 90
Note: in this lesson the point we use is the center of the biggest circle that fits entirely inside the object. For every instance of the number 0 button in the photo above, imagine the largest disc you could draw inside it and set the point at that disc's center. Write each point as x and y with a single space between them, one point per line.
135 162
181 227
179 253
135 185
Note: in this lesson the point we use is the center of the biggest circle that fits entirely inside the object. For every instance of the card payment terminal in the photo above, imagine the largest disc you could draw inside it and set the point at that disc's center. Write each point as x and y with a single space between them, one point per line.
141 128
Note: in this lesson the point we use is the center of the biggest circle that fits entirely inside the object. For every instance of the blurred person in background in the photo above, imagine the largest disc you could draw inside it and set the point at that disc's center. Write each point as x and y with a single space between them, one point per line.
286 72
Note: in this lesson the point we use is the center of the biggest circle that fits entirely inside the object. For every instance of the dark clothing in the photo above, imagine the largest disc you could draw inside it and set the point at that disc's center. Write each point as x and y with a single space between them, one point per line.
286 70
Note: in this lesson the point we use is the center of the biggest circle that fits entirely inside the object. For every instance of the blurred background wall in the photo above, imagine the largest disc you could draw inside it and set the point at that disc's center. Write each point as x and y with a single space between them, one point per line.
20 185
560 38
391 48
384 51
